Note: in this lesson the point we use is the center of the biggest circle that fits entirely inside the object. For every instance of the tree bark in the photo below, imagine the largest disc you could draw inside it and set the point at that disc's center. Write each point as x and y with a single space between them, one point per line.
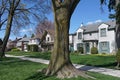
7 33
118 24
8 28
60 63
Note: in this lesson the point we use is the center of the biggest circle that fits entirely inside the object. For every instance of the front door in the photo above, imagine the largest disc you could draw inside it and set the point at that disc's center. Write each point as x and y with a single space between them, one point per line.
87 48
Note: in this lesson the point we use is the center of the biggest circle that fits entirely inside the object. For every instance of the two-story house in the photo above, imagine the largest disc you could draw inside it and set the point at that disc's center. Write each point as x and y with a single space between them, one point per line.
100 35
49 41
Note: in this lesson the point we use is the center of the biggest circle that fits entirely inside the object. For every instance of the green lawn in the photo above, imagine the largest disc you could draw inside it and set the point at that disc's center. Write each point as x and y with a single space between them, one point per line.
44 55
107 61
16 69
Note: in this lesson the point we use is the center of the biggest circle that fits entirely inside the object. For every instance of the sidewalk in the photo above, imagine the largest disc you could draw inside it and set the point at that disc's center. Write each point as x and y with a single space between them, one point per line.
112 72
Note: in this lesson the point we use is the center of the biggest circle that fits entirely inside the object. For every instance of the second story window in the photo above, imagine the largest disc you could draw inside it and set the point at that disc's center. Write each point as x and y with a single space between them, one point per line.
79 35
103 32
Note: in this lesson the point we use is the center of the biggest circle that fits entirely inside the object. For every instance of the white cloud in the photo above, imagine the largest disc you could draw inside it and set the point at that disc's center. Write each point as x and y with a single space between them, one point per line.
92 22
26 30
98 21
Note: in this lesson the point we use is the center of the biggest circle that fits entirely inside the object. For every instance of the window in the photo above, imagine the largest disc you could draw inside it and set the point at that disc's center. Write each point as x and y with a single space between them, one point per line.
48 39
90 34
103 32
104 47
79 45
80 35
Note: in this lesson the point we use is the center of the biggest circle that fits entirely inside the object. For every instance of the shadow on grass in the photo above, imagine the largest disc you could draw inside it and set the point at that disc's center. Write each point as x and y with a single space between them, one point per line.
37 76
89 67
108 65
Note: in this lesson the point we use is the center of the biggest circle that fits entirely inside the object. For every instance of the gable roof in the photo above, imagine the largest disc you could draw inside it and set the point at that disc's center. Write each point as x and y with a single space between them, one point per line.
94 27
24 39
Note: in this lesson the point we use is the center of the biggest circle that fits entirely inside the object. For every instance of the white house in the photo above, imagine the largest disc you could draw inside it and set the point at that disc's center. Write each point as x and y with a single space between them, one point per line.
34 41
100 35
49 41
22 44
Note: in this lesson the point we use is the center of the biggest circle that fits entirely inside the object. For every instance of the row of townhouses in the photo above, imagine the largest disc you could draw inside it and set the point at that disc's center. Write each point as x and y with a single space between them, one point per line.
100 35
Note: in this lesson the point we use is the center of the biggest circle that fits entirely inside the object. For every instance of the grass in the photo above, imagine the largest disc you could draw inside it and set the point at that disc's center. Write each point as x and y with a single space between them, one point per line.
17 69
44 55
26 70
107 61
8 59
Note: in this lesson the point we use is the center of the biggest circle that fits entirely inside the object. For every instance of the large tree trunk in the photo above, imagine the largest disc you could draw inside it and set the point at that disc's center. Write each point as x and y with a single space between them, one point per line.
118 36
118 24
118 29
7 33
60 63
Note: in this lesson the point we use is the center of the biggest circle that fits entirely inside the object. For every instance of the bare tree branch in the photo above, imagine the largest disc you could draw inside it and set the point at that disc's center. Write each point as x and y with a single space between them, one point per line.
17 4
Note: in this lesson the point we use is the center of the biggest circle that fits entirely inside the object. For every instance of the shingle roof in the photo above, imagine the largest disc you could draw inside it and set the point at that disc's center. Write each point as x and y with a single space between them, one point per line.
25 39
94 27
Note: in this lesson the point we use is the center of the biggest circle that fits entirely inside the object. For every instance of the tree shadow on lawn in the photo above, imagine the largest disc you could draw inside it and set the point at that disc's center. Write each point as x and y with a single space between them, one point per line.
107 65
89 66
37 76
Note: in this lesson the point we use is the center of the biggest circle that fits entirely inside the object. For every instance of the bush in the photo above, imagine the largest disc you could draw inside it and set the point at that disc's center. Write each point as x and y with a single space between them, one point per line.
28 47
33 48
80 49
15 49
118 56
94 50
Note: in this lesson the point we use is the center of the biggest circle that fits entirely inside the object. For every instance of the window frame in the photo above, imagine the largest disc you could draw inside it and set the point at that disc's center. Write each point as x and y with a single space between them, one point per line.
79 35
103 32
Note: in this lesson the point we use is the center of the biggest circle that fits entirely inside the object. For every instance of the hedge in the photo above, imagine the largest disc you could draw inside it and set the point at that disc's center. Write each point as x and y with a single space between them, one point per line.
33 48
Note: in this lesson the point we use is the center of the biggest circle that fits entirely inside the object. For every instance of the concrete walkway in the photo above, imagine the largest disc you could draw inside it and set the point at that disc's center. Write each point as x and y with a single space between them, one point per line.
112 72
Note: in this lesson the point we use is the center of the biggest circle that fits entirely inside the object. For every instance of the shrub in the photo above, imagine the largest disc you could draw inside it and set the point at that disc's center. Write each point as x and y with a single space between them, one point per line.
33 48
80 49
118 56
15 49
94 50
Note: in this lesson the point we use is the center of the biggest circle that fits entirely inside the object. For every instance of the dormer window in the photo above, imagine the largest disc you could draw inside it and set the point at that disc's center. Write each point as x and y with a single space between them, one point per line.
79 35
103 32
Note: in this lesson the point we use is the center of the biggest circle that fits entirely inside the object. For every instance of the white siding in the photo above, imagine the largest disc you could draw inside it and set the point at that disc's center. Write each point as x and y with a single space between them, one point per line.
76 40
110 37
71 37
91 36
50 38
33 41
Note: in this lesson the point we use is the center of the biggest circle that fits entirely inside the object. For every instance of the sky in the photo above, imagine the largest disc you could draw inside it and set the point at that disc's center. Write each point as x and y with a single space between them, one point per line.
86 12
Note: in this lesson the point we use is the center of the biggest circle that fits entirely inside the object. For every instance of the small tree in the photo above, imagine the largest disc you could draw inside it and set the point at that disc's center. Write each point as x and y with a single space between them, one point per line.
25 36
32 36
